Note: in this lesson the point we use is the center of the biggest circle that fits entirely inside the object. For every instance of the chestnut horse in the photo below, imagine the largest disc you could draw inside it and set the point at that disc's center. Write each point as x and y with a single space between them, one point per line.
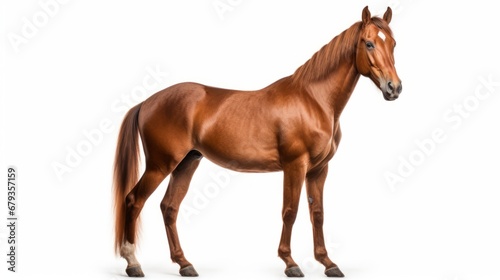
291 125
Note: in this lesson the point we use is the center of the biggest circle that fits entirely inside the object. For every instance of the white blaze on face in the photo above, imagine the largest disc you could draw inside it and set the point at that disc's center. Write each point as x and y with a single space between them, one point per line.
381 35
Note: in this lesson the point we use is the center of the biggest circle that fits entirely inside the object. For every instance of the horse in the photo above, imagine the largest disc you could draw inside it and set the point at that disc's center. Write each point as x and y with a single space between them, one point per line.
292 125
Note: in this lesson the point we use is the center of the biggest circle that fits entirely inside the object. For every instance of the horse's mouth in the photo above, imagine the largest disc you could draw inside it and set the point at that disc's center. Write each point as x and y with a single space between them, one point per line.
390 96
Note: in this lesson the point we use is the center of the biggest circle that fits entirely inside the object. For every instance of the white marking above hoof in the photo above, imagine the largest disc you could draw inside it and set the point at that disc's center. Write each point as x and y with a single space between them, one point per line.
127 251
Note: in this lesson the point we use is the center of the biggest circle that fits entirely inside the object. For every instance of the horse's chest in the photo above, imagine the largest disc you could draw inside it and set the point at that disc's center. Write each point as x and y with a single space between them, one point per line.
322 150
324 147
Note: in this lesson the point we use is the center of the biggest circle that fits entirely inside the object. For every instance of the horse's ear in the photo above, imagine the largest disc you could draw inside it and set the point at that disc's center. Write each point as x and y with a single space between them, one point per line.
366 16
388 15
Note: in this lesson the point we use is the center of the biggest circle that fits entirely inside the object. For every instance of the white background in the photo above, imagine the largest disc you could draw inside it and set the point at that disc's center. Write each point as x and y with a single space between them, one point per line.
70 74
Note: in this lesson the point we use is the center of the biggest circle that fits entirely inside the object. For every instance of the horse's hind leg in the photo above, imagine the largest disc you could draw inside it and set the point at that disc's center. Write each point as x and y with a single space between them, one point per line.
177 189
135 200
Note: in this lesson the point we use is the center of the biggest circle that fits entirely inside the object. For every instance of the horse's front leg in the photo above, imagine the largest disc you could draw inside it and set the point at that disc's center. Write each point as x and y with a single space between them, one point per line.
314 185
294 175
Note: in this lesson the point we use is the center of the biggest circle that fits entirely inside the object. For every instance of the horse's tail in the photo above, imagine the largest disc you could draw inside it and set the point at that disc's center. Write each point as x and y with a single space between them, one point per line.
126 170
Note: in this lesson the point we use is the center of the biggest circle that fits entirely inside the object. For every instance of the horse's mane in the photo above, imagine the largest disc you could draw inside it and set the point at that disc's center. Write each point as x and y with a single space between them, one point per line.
343 46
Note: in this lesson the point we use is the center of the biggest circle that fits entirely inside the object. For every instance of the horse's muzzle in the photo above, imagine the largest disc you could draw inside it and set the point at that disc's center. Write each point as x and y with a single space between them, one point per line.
392 91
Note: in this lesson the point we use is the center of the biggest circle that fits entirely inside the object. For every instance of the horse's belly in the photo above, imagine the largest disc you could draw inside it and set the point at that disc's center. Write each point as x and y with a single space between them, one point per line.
244 164
241 152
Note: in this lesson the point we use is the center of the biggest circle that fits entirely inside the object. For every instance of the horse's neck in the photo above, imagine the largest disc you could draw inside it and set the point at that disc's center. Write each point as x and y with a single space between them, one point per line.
336 89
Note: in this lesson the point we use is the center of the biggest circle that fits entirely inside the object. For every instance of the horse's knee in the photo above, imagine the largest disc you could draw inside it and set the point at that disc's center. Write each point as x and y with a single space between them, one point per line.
289 216
169 213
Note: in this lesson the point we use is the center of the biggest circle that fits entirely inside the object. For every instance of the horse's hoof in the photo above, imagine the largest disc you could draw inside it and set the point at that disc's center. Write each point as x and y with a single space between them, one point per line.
134 271
188 271
334 272
294 272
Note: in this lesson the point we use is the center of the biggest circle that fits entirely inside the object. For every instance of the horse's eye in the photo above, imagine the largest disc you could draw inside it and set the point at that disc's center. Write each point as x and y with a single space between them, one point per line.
370 45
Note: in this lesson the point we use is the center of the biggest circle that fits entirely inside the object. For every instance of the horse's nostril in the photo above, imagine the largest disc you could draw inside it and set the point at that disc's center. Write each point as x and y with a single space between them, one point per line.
391 87
400 88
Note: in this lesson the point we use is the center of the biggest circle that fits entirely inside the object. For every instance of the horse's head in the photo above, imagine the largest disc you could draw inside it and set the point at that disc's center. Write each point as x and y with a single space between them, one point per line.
375 54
